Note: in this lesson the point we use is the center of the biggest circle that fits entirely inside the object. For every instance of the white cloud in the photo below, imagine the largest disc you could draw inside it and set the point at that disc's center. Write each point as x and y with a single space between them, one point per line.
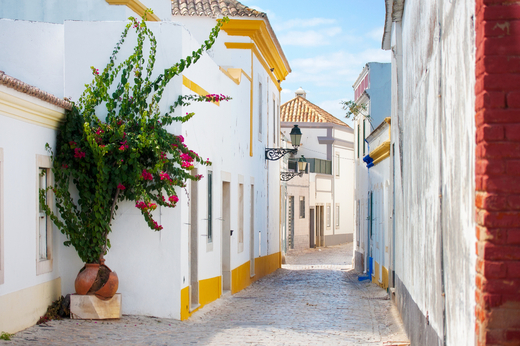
310 38
303 23
336 70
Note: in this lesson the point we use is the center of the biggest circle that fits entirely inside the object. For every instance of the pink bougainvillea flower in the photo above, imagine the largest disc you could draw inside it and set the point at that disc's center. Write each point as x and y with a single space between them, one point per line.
187 165
146 175
181 138
164 175
78 153
121 187
173 199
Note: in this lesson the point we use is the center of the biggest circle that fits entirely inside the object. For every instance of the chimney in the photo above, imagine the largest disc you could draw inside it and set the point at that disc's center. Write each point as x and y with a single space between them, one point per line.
301 92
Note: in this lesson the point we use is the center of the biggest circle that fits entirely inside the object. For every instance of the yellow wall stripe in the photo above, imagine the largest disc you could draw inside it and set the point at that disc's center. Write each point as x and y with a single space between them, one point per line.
196 88
257 31
381 152
254 49
136 6
22 309
27 111
211 289
235 74
241 276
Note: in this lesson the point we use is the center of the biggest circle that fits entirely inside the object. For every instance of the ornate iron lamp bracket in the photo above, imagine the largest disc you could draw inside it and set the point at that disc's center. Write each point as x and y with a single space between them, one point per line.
286 176
274 154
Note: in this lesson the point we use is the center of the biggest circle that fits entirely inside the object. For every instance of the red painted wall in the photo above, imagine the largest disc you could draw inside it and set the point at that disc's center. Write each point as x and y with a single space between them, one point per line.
497 201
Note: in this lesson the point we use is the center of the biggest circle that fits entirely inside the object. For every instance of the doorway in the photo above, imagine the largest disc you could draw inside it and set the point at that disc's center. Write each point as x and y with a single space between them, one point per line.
290 221
320 225
312 231
226 236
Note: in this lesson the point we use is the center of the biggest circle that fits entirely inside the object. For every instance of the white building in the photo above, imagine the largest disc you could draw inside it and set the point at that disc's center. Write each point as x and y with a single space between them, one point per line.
380 200
320 203
372 89
226 237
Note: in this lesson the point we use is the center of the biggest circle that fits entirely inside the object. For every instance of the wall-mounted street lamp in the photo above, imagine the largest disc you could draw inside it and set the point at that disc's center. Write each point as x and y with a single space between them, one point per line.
274 154
302 165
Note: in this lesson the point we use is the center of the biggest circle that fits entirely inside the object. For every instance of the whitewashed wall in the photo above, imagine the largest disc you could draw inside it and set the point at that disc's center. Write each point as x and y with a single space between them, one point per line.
25 291
433 131
57 11
154 266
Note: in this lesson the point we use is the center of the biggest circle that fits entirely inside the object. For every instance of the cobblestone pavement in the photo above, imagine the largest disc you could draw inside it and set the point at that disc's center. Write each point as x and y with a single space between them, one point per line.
315 299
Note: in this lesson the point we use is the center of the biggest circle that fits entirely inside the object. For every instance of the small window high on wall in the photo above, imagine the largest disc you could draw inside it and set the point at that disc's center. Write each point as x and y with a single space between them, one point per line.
302 207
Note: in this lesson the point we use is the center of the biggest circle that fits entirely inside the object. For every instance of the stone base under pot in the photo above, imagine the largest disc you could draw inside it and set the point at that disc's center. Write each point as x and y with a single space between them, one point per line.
90 307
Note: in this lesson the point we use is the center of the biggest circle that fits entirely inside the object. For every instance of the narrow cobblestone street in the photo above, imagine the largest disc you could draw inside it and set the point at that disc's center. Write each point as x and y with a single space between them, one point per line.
315 299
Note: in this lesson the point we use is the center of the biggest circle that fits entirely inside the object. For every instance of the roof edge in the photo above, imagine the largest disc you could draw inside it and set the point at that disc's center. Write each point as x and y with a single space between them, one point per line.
28 89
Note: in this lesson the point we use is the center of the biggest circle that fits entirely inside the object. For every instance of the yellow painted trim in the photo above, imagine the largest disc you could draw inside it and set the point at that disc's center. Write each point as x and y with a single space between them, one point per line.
210 290
375 275
254 49
381 152
241 275
30 112
23 308
251 110
384 282
235 74
196 88
136 6
258 32
185 303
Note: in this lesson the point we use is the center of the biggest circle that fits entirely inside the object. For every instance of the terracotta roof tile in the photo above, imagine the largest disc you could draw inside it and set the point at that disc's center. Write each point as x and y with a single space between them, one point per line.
213 8
301 110
23 87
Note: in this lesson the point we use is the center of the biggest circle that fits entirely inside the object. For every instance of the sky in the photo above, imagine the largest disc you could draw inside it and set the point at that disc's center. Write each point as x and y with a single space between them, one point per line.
327 44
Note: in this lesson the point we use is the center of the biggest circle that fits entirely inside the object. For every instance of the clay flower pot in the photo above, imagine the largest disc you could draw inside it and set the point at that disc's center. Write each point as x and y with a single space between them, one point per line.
96 279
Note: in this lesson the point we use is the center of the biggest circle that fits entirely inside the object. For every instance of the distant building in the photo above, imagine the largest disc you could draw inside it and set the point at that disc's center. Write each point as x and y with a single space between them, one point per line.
320 203
372 89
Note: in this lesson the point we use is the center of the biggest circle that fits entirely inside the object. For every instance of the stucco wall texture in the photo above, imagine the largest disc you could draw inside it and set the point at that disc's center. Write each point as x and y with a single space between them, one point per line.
433 133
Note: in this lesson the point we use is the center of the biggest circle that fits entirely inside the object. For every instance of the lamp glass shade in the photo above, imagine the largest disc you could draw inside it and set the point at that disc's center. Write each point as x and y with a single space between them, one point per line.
302 164
296 136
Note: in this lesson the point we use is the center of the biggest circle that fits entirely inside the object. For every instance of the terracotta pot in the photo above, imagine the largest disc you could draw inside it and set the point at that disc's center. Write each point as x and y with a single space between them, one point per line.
97 279
86 277
109 288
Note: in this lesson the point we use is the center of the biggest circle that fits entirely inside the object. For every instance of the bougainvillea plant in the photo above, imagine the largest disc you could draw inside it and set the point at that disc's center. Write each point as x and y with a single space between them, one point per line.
129 155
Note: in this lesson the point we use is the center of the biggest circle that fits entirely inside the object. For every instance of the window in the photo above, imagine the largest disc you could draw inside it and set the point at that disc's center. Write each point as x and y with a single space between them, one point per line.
364 133
319 166
44 223
328 215
260 120
337 215
358 140
337 164
240 217
1 216
210 207
302 207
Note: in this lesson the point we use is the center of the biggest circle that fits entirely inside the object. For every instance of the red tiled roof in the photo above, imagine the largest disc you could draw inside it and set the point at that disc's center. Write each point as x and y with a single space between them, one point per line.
23 87
213 8
302 110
